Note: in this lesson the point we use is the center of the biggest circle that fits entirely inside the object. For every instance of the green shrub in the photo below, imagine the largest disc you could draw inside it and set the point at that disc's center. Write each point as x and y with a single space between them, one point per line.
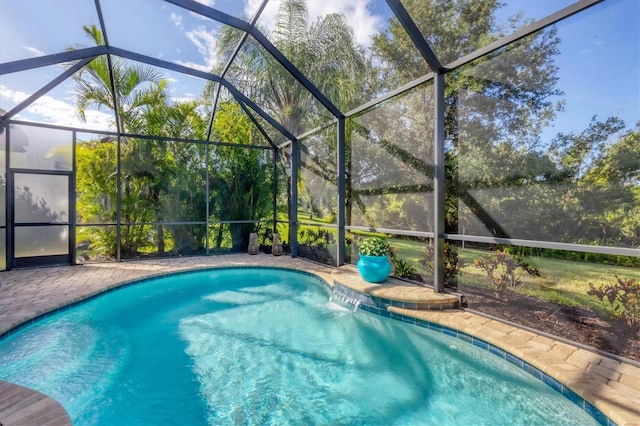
504 271
621 298
452 263
401 267
374 246
320 238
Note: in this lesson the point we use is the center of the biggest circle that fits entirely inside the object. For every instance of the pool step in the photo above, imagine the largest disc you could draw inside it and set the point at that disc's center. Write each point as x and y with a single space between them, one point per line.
392 292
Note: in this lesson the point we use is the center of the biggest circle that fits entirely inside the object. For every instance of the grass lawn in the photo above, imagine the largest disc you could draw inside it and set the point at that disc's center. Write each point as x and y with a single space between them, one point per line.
561 281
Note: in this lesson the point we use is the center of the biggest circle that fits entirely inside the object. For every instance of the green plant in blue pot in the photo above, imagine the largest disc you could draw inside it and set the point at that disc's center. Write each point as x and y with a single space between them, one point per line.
374 265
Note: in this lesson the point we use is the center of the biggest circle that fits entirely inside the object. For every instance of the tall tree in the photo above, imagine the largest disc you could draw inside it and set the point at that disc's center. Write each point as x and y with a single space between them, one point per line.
602 165
501 98
240 177
178 188
452 28
325 51
136 87
130 91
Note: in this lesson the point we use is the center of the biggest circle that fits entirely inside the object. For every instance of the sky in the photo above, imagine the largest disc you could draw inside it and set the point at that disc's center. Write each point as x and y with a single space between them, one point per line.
599 57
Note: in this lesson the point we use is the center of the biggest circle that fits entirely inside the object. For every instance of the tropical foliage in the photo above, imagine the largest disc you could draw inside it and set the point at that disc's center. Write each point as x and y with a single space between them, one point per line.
163 180
502 180
373 246
451 263
240 177
622 298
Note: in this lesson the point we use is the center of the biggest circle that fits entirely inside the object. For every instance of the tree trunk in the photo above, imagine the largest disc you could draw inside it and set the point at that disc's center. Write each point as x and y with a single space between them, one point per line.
160 240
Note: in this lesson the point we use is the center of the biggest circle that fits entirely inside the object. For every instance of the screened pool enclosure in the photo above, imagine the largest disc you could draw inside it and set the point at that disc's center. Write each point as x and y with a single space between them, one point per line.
136 129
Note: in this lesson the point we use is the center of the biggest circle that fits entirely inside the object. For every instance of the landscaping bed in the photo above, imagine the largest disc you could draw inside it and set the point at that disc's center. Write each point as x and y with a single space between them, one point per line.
578 324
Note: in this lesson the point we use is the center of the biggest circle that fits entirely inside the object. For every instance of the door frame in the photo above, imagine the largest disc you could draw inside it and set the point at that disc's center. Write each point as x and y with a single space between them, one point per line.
47 260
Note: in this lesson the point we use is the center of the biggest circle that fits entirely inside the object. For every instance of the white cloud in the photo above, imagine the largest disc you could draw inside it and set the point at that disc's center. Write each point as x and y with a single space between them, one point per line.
187 98
176 19
357 14
205 42
12 95
268 16
206 2
209 3
36 52
53 111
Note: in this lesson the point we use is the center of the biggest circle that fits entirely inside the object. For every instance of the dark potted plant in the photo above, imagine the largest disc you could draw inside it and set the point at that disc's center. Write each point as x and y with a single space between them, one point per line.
374 265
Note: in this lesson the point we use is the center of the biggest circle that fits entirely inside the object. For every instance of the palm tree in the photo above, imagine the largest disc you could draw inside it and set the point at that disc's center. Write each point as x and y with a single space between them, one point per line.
134 90
240 177
135 86
325 51
174 171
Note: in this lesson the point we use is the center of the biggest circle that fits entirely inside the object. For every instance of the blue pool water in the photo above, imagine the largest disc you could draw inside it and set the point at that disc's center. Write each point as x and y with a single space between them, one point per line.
265 347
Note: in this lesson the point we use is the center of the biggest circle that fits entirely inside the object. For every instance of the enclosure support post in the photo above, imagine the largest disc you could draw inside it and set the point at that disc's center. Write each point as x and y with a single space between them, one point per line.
9 200
274 165
72 204
293 212
206 196
438 185
120 130
118 198
341 146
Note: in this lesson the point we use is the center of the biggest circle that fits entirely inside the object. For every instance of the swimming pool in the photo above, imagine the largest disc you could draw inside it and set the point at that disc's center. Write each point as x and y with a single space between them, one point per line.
264 346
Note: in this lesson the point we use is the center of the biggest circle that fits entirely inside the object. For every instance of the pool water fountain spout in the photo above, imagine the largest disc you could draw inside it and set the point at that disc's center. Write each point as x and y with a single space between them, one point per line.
344 298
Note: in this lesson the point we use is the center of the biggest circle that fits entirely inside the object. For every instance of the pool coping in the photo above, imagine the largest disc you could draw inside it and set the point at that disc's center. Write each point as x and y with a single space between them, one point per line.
398 293
610 385
24 406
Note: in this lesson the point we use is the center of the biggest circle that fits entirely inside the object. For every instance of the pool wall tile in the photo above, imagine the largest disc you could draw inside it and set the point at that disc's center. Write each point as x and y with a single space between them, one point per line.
556 385
407 320
532 370
515 360
450 332
595 413
480 343
465 337
573 397
497 351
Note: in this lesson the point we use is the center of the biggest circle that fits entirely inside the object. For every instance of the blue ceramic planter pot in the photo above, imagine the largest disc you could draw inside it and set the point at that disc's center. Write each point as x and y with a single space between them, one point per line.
374 269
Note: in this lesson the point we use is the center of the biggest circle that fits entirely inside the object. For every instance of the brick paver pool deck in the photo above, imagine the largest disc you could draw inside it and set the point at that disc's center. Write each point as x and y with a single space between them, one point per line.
612 385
